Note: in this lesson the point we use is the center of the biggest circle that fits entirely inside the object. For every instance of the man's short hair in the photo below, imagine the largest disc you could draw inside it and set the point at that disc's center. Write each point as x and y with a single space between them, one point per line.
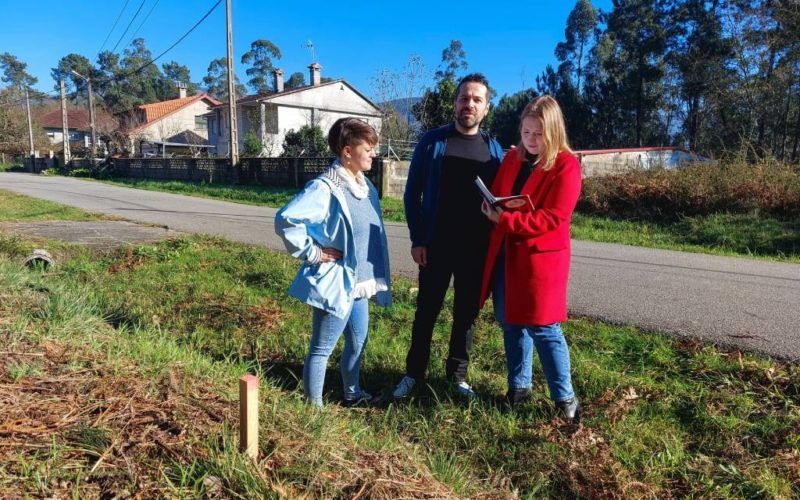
475 78
349 132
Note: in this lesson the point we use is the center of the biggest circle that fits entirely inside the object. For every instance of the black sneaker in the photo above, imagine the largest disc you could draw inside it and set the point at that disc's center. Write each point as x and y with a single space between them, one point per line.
361 399
518 396
571 410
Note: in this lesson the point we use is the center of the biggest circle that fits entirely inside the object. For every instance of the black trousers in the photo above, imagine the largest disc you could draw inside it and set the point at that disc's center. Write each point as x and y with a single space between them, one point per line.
464 265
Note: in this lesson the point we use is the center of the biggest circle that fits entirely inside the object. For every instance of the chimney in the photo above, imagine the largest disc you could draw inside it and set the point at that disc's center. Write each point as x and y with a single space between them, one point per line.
278 74
181 89
314 69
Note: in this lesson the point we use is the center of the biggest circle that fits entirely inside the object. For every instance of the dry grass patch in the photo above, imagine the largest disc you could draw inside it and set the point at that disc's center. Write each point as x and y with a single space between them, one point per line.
122 431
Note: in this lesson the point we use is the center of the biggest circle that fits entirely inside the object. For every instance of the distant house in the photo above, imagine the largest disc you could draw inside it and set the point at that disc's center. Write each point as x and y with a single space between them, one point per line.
596 162
271 115
78 123
177 122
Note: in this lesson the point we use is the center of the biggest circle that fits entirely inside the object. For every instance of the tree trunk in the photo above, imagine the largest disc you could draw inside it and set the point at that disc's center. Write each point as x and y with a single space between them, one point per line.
785 117
762 119
796 135
580 67
639 99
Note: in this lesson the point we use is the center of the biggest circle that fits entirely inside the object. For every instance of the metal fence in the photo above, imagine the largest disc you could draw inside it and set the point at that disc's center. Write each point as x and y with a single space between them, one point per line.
394 149
273 172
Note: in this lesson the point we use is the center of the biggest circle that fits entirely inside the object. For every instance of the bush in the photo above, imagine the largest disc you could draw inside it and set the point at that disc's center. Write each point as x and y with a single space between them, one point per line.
252 146
80 172
308 141
735 187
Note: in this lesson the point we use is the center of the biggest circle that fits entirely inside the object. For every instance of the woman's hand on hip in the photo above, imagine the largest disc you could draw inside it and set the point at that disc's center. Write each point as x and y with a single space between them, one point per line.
330 255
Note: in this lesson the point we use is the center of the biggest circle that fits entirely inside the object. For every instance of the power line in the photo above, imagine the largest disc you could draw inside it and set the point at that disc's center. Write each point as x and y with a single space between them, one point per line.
152 61
179 40
114 26
129 26
143 21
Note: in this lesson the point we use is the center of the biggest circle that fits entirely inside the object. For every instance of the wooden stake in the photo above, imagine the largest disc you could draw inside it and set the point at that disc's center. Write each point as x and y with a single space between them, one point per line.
248 416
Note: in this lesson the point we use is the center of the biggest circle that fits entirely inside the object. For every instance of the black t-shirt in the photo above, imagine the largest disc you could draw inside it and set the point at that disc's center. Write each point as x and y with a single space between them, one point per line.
524 172
459 219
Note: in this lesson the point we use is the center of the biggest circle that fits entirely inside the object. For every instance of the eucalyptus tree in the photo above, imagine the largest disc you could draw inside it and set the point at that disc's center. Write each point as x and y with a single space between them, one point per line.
260 57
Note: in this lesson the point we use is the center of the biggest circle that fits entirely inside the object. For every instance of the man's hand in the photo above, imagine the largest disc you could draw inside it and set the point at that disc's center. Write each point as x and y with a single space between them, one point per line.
330 255
420 255
493 214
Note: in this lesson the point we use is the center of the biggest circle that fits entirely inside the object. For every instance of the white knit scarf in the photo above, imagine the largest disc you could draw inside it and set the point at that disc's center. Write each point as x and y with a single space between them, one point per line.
343 178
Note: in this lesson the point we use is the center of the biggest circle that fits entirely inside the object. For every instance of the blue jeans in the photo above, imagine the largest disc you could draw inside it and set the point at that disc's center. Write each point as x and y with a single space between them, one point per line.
326 330
520 340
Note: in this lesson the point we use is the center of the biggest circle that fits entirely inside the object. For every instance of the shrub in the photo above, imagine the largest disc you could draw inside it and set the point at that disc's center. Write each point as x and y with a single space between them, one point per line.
735 187
80 172
252 145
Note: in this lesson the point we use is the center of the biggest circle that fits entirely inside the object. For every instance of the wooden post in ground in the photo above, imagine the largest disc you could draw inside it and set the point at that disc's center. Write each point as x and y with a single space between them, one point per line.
248 416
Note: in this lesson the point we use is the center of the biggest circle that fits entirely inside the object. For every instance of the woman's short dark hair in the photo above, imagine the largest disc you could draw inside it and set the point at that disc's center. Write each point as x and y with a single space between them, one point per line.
350 131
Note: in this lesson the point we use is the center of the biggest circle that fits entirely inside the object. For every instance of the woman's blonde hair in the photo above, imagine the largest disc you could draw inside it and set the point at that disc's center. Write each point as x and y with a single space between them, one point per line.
554 131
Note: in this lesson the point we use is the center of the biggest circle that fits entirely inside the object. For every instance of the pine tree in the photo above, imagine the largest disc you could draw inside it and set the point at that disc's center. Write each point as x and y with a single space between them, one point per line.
14 73
626 73
75 85
504 124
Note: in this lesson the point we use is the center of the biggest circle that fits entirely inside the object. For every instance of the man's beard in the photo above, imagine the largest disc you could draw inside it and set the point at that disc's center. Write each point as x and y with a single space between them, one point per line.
468 121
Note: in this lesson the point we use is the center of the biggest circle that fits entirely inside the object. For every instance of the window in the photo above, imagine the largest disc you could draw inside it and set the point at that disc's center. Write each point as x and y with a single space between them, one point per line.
200 123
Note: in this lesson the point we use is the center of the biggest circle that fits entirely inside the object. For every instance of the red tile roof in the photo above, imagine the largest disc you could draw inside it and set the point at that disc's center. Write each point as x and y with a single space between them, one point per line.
157 110
77 119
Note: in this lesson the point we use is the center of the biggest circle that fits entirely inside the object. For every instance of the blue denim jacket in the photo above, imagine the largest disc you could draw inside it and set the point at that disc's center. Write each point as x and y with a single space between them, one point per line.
318 217
421 197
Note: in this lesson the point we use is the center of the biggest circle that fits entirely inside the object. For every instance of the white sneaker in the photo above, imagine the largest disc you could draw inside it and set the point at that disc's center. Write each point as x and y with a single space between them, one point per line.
403 389
465 390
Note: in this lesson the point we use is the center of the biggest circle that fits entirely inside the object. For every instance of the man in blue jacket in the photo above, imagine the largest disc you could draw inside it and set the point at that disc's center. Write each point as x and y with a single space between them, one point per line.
449 234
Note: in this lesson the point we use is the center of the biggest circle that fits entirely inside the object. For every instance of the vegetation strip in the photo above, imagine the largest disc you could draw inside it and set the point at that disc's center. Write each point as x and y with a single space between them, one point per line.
18 207
749 234
665 416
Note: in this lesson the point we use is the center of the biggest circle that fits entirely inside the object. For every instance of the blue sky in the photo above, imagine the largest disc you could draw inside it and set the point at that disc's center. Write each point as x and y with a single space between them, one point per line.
511 42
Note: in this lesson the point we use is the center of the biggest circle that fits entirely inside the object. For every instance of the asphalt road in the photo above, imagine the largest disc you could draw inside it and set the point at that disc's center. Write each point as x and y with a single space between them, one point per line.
749 304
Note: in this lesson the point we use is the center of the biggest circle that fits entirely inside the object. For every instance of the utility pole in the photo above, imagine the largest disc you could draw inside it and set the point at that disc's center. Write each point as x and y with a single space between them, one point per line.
91 111
30 124
65 124
91 118
234 133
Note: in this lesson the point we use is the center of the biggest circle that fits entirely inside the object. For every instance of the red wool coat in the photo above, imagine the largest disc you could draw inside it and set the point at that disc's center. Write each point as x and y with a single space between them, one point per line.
537 243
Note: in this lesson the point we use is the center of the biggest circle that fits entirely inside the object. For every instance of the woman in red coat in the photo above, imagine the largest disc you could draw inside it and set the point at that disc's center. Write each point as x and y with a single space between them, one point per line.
527 266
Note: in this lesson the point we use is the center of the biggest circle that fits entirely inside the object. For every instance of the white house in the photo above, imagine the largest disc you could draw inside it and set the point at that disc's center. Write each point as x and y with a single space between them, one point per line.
176 122
78 123
270 116
595 162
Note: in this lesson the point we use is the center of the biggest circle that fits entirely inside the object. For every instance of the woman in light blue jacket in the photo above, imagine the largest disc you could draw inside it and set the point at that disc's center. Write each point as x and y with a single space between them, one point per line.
335 227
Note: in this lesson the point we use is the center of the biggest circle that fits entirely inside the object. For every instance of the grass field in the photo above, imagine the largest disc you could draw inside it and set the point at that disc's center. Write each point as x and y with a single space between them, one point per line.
721 234
122 368
18 207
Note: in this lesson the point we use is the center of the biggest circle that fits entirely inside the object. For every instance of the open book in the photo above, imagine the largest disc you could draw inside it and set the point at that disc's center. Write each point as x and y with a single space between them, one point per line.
521 202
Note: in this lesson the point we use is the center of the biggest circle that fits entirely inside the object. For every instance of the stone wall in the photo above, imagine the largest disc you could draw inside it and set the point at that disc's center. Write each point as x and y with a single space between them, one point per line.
395 173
